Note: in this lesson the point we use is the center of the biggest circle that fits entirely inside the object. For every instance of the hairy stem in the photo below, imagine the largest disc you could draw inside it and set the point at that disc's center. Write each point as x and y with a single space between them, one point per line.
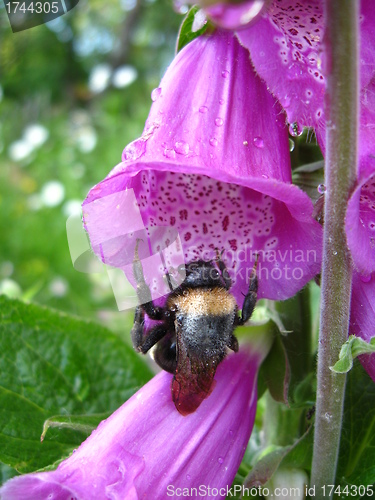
341 108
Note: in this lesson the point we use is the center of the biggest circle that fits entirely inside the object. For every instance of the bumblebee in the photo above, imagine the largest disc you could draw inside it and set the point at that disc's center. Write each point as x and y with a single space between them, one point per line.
195 327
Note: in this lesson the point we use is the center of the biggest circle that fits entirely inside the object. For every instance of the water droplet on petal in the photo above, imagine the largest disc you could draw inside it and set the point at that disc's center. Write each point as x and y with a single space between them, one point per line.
220 460
225 73
155 94
182 148
134 150
295 130
169 153
203 109
291 145
334 252
321 188
188 477
265 176
221 101
286 101
365 278
245 143
213 142
258 142
219 122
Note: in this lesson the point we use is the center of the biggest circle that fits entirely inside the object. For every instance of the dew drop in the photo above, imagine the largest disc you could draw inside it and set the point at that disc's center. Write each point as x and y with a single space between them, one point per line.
213 142
169 153
188 477
286 101
365 278
182 148
219 122
225 73
258 142
221 101
134 150
291 145
295 130
334 252
155 94
203 109
245 143
328 416
321 188
220 460
265 176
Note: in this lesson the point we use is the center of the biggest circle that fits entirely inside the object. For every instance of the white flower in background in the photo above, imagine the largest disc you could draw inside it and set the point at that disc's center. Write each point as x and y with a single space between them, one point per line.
52 193
34 136
99 78
124 76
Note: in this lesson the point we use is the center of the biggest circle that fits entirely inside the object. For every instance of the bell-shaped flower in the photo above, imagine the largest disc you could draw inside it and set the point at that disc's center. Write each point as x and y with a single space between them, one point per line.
360 218
146 449
285 41
213 163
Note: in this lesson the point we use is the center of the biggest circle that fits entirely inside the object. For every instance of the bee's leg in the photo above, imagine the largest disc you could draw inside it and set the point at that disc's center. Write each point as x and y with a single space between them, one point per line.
143 290
233 343
223 269
143 343
165 353
171 282
250 298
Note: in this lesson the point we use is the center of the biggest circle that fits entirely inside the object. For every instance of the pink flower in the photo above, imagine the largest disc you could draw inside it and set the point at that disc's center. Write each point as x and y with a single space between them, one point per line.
147 449
213 164
362 316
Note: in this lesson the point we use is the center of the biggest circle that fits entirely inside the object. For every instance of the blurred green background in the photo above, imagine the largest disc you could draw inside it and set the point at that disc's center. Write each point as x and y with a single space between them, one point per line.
73 93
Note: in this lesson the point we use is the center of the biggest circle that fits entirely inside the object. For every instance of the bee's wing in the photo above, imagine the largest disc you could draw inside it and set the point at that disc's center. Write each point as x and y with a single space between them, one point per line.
193 380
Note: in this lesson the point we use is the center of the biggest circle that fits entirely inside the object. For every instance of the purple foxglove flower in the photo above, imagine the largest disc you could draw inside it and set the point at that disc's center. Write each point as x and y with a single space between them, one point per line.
360 218
285 47
213 163
362 316
287 50
147 449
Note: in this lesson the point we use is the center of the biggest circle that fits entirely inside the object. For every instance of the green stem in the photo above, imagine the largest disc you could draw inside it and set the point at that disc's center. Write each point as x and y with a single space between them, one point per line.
341 52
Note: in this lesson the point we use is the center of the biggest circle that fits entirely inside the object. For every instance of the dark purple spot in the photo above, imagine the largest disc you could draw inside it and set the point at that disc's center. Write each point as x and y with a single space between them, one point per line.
173 221
205 230
183 214
225 223
233 244
187 236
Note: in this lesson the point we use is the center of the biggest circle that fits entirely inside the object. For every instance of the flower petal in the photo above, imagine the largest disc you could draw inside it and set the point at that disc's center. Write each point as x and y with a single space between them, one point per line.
285 50
213 163
360 226
146 445
233 16
362 316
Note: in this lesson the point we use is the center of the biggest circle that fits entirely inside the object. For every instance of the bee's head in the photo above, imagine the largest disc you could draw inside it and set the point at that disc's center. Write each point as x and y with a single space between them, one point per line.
201 273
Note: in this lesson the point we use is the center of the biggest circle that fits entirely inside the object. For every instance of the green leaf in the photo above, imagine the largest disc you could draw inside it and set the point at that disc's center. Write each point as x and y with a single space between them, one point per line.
54 364
352 348
308 177
295 315
186 33
357 449
296 456
276 371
